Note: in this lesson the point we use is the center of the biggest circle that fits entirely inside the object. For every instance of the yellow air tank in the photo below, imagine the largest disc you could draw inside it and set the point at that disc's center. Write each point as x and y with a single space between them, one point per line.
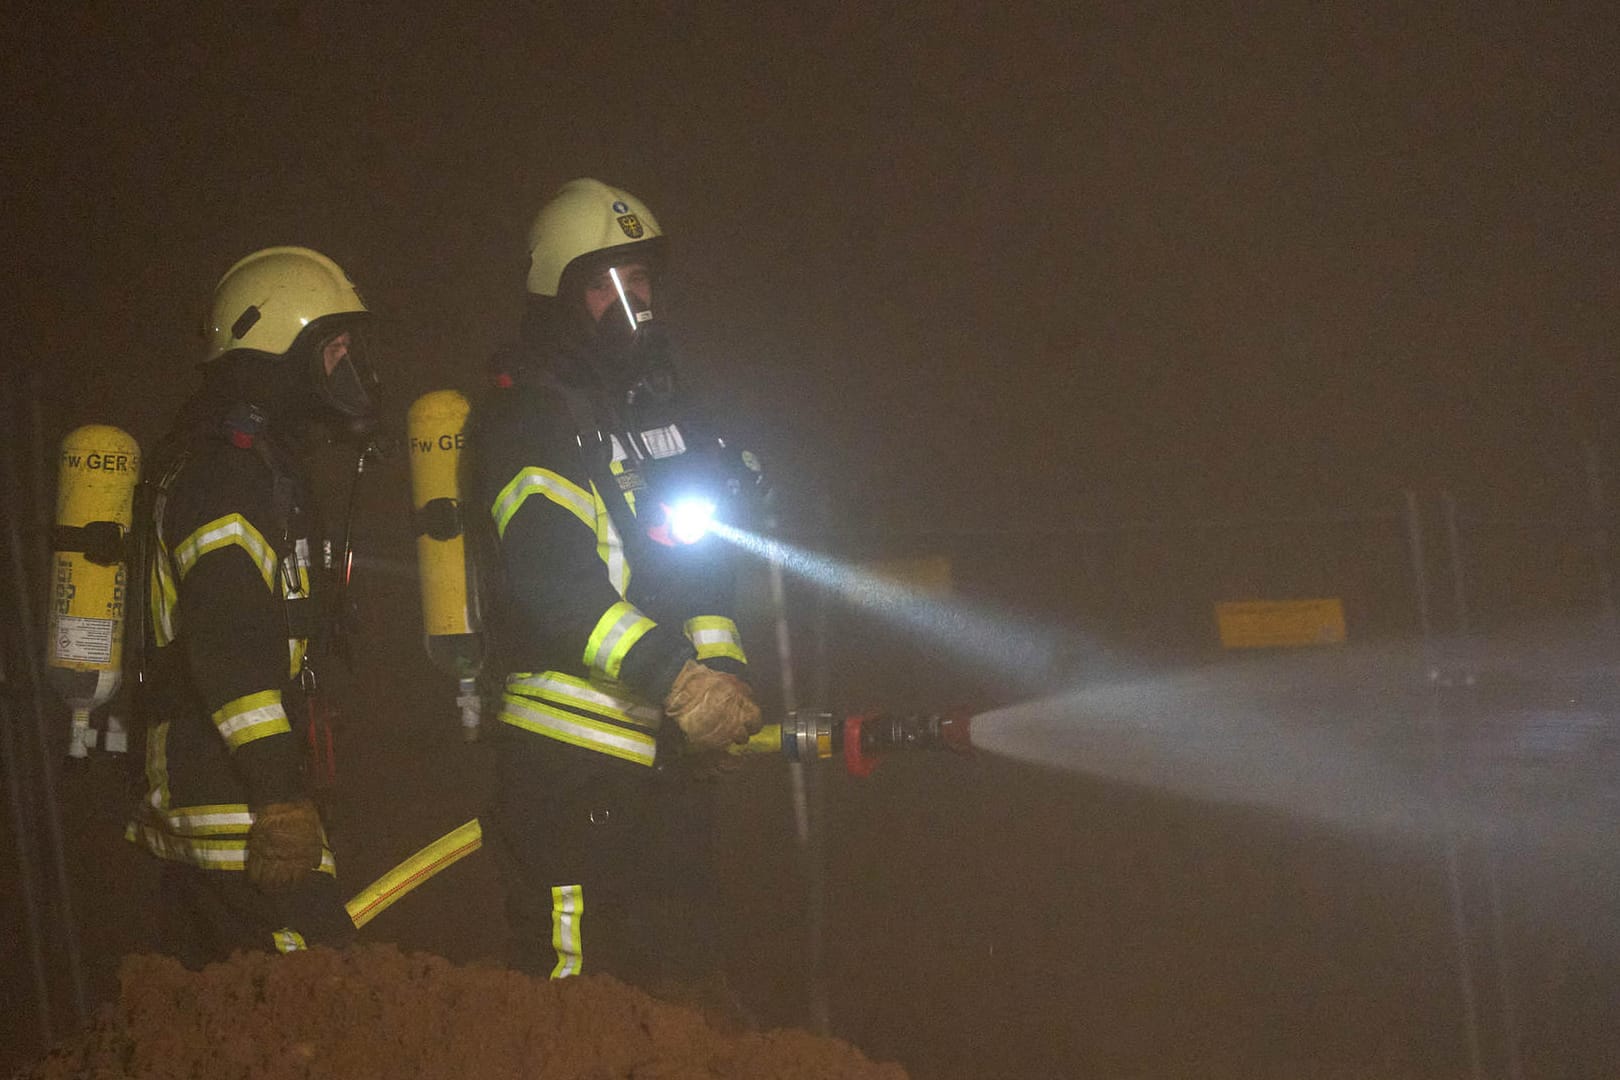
95 495
451 622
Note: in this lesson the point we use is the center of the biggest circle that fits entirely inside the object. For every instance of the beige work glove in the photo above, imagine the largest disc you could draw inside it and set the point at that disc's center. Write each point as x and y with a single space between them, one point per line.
283 845
711 707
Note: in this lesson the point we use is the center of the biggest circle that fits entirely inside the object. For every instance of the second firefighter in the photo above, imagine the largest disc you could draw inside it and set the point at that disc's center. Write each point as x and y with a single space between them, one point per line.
612 613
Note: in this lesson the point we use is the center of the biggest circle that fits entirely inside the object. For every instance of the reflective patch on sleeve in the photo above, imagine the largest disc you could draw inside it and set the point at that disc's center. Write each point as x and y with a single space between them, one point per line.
619 628
567 912
565 493
288 940
207 852
232 530
224 819
252 717
715 635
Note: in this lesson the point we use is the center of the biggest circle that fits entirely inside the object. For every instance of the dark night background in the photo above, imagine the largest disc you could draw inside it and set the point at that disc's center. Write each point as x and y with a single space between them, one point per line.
1076 257
953 266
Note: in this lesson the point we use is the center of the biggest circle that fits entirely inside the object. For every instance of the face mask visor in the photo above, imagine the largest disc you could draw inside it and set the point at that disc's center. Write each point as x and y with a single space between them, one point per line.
626 343
344 382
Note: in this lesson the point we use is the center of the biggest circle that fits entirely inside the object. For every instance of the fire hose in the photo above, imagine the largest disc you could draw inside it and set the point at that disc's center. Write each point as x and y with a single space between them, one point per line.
861 740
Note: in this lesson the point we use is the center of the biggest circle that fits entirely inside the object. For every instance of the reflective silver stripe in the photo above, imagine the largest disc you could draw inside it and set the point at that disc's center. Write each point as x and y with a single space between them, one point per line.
543 719
609 548
157 766
209 820
210 854
165 598
251 717
567 912
224 532
715 635
563 492
593 696
617 631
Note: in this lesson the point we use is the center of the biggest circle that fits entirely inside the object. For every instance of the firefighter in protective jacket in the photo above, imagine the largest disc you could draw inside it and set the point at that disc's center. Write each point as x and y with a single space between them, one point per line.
625 671
224 537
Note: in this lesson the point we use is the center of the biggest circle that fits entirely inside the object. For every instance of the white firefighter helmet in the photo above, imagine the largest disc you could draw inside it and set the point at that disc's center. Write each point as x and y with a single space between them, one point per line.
266 300
586 217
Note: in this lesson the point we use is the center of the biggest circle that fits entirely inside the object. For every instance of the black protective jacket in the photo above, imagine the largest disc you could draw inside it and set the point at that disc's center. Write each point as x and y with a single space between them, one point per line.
228 619
594 620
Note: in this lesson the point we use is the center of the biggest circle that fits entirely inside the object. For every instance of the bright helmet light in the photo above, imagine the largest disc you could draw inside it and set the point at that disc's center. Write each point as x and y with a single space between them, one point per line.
690 518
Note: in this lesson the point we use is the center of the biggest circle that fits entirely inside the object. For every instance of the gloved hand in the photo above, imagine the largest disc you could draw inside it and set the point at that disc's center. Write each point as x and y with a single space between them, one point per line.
711 707
283 844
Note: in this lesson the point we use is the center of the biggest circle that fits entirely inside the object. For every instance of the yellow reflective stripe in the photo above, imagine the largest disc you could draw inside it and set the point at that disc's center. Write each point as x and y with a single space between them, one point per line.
165 598
251 717
565 493
220 820
605 699
581 731
232 529
715 635
288 940
609 547
616 467
157 767
619 628
567 912
296 648
209 853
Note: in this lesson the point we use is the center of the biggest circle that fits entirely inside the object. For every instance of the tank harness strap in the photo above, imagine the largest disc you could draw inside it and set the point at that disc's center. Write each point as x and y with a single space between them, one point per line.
439 519
101 542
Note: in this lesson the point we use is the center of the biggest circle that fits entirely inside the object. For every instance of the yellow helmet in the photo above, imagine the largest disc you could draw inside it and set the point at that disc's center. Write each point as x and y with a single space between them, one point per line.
265 301
585 217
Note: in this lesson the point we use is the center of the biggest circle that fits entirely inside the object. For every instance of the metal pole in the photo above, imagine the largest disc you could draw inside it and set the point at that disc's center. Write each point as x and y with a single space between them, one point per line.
1498 935
820 1020
1466 981
1420 573
1444 809
1504 971
17 783
1597 498
55 845
1459 584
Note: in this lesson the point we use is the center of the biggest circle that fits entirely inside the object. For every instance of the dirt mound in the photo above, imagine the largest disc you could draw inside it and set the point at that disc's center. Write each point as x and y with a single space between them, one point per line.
373 1011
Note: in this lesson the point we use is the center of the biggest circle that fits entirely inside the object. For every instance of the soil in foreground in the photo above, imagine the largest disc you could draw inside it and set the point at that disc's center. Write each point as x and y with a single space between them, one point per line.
374 1011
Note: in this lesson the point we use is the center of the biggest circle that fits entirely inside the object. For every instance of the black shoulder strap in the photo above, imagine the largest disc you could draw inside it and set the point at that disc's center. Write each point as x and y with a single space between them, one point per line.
149 493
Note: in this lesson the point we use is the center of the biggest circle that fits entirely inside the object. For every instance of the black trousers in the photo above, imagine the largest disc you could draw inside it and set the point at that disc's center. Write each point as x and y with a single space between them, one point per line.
607 865
206 915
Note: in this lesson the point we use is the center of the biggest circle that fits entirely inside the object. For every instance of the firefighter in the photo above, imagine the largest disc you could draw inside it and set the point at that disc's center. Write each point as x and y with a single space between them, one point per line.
625 675
229 622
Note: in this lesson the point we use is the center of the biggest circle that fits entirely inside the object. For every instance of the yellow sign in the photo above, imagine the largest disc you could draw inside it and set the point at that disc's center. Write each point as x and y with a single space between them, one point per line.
1269 624
930 574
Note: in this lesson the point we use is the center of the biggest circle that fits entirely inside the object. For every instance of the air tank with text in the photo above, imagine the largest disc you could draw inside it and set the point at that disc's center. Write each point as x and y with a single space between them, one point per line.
451 622
96 477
